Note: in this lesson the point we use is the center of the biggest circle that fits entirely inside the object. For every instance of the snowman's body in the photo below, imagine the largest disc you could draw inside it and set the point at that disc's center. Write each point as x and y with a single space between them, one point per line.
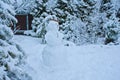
51 57
53 38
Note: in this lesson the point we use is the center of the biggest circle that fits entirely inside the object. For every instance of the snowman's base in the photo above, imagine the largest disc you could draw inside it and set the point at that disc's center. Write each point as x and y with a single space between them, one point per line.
54 59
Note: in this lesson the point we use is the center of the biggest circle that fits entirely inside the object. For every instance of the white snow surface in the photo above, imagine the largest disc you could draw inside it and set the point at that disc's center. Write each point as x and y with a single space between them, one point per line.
86 62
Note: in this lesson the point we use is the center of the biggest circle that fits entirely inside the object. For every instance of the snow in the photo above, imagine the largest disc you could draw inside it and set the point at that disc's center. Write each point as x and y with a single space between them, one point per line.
59 59
30 32
86 62
51 4
5 32
24 6
32 48
8 11
2 71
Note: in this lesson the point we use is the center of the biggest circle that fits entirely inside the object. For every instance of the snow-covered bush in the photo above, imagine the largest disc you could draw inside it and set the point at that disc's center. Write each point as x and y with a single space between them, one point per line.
110 22
12 62
11 55
74 30
112 31
82 21
37 12
63 10
23 6
7 13
5 32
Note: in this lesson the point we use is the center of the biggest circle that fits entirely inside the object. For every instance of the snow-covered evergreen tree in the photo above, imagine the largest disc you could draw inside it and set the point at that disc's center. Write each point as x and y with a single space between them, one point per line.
11 55
6 13
110 22
23 6
63 10
38 13
82 21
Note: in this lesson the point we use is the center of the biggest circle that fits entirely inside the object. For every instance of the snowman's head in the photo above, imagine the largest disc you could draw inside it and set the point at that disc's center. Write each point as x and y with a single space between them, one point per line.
52 26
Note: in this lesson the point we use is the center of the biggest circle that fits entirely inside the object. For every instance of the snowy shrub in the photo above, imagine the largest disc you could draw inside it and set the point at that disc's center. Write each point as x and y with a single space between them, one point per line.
110 21
37 12
23 6
12 57
7 13
63 10
74 30
112 30
5 32
73 15
12 62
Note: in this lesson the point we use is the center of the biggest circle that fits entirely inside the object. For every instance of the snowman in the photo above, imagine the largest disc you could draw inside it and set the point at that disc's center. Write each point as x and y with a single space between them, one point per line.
53 37
53 55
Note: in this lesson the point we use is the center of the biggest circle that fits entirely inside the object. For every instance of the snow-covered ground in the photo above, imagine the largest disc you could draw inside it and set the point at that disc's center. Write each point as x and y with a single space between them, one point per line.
87 62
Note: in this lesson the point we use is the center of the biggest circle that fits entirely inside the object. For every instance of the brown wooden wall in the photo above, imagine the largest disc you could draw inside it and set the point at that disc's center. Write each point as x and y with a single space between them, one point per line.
22 21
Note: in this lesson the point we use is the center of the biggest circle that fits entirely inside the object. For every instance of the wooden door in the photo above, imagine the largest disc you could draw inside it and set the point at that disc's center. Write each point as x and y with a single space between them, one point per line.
22 24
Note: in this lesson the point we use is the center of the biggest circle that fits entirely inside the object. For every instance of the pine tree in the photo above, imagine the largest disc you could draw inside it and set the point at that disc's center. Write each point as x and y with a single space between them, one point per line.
23 6
110 21
38 13
82 21
63 10
11 55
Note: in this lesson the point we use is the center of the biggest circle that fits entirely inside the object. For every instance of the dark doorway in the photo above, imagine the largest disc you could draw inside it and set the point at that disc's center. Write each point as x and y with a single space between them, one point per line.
24 22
